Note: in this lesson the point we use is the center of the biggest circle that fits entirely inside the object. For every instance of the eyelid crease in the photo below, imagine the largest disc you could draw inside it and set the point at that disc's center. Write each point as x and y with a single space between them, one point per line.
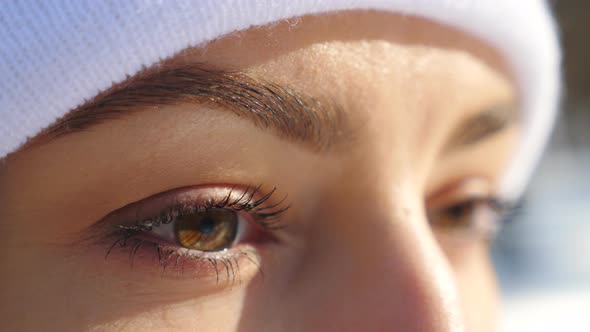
460 189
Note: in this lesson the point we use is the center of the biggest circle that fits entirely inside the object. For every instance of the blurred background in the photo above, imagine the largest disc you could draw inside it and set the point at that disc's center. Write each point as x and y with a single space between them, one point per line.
543 253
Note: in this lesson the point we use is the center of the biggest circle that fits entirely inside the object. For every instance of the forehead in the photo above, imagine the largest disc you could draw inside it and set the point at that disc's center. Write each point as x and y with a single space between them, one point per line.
356 40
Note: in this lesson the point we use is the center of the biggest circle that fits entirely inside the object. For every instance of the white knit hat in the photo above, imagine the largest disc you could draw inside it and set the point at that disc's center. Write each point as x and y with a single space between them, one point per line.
54 55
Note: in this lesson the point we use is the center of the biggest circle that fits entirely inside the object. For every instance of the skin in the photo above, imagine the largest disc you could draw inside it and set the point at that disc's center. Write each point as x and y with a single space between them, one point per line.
359 253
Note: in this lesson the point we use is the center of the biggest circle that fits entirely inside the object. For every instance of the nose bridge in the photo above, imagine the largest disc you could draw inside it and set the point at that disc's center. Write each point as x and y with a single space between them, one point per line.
378 272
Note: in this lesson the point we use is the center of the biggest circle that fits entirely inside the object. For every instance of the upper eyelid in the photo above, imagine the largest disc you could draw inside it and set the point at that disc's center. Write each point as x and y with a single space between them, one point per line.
181 200
479 187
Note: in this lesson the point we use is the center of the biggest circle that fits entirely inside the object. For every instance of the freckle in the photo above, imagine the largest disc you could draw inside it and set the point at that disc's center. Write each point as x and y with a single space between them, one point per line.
405 214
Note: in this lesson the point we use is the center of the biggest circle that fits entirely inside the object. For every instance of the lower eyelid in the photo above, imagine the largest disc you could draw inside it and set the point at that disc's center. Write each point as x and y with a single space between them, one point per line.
146 249
164 261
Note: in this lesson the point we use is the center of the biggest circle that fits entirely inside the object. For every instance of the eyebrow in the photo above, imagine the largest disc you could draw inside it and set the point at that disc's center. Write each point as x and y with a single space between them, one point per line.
481 126
292 115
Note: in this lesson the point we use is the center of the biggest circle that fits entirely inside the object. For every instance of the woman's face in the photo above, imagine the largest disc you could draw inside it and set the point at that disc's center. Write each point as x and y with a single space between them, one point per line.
331 173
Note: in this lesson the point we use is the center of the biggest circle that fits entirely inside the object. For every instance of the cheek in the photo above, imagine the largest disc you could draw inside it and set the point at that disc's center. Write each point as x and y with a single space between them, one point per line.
477 287
221 312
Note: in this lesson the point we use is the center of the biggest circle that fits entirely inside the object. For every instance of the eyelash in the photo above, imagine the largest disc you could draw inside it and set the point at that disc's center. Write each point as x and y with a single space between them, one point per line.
129 234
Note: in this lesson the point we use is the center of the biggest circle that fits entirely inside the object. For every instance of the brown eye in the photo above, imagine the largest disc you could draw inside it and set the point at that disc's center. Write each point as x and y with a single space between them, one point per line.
474 216
209 230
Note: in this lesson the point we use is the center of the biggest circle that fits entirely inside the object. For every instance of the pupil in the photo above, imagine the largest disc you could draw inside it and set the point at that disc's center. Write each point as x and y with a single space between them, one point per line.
206 226
456 212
